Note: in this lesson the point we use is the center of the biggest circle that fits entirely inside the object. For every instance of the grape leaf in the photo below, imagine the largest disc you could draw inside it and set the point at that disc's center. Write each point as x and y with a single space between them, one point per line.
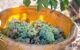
45 3
54 3
77 2
26 2
39 5
64 4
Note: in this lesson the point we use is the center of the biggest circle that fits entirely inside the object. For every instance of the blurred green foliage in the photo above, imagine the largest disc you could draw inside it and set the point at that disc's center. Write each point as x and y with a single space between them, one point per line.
41 4
77 2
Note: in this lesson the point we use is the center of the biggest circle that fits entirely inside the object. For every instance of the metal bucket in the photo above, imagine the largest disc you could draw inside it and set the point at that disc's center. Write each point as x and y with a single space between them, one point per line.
54 18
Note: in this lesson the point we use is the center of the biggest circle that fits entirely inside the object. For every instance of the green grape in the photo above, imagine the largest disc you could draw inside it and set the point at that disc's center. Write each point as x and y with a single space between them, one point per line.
26 32
49 36
38 23
21 28
58 33
22 34
47 28
19 39
27 40
17 24
43 41
24 40
56 30
32 32
33 41
5 31
14 35
10 25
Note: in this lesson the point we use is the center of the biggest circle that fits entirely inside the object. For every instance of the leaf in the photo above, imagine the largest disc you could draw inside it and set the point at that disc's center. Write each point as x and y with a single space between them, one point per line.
45 3
77 2
64 4
34 0
39 5
54 3
26 2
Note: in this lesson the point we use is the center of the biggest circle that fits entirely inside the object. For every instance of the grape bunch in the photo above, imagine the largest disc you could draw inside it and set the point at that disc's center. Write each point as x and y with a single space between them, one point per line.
39 32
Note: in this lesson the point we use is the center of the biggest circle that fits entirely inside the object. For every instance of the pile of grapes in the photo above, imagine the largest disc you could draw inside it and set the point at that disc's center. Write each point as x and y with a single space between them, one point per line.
38 32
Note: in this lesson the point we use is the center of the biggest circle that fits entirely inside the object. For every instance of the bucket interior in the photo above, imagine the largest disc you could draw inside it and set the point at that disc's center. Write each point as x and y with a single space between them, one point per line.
30 14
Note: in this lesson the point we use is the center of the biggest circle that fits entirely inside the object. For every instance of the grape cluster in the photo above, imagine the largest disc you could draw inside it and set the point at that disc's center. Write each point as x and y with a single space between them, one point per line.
38 32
